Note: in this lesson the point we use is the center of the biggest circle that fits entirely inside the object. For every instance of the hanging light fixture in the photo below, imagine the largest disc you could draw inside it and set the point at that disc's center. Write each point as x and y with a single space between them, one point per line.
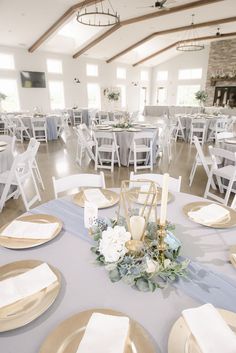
190 42
98 15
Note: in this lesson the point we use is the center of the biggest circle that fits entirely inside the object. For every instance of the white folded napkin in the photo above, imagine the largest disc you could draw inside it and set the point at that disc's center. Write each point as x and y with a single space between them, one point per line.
105 334
26 284
142 197
96 196
209 214
211 332
29 230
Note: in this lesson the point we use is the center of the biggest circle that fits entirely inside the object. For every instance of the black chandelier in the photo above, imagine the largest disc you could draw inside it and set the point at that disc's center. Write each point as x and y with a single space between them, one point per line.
190 42
99 15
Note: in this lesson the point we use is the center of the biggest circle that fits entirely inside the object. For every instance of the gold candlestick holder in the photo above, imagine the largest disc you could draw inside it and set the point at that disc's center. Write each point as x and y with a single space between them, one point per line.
161 234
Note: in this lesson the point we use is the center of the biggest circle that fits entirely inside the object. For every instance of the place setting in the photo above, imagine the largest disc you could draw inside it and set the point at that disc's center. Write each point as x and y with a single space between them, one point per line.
102 198
27 289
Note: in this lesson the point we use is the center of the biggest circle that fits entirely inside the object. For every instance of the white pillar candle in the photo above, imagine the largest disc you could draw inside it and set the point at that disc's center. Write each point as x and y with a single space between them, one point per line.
137 224
164 199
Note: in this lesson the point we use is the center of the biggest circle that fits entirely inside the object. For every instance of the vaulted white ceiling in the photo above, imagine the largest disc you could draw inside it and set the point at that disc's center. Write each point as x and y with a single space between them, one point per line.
23 22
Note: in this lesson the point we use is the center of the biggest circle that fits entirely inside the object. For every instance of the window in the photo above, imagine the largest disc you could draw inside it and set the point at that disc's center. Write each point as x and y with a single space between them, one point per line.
121 73
162 75
190 74
161 95
9 88
54 66
123 95
92 70
7 61
186 95
143 98
144 75
94 95
56 91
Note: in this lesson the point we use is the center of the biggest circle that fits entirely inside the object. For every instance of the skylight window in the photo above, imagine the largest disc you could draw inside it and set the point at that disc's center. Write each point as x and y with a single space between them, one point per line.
92 70
121 73
54 66
7 61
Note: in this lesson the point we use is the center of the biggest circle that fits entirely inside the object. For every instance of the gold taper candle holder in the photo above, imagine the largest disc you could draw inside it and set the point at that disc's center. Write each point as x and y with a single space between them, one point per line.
161 234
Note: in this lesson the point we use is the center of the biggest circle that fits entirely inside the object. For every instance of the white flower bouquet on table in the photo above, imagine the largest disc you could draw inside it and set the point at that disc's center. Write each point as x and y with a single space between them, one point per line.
144 270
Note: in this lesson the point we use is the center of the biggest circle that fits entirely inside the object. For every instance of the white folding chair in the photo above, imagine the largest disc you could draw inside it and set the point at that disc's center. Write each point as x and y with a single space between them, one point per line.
198 128
164 142
32 148
3 125
174 184
39 128
180 130
103 117
14 181
222 174
11 140
142 144
84 145
106 144
77 181
200 160
63 124
77 116
220 125
20 130
118 115
220 136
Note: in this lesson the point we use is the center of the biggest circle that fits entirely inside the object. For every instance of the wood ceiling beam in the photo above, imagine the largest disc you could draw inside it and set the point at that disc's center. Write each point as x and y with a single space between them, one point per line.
59 23
97 40
223 35
159 13
171 30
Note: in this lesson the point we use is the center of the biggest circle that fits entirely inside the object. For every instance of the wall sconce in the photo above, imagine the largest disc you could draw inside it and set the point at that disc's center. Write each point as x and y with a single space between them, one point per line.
76 80
135 83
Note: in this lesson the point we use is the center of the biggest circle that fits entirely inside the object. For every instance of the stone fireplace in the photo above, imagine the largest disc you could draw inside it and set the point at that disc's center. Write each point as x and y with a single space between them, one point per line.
222 58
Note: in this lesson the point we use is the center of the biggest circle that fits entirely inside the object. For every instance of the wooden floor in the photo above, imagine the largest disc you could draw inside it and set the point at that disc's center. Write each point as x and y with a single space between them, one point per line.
57 158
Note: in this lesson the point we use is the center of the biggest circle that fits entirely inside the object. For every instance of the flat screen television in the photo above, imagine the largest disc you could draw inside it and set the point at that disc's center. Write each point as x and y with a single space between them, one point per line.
33 79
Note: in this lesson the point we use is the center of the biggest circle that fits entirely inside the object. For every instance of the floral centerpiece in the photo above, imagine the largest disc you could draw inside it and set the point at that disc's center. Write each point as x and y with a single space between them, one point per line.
144 270
124 122
201 96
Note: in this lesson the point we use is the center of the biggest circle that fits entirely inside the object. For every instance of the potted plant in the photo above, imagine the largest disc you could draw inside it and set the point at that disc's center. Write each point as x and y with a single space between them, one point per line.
201 97
2 98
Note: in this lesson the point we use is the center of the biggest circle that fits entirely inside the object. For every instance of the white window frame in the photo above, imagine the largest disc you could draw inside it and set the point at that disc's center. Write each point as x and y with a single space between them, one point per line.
190 74
144 75
5 105
97 101
92 70
158 96
121 73
54 69
8 59
123 95
193 102
54 105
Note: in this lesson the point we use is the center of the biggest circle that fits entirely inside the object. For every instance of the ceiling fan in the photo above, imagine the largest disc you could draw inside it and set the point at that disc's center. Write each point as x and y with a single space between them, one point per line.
157 5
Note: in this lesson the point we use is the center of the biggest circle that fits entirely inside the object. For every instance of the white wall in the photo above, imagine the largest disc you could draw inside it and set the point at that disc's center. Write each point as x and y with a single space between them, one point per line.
75 94
182 61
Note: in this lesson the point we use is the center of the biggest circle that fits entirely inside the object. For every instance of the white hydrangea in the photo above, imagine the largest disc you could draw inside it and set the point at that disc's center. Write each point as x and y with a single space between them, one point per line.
151 265
112 245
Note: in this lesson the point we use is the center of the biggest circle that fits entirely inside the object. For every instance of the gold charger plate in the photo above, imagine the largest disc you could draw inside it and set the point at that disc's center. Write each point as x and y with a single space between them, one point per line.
3 143
134 193
67 336
227 222
20 243
112 197
28 309
2 149
182 341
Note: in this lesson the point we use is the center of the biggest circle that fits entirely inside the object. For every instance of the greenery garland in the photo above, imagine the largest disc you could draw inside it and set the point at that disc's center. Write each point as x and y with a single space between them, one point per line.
145 271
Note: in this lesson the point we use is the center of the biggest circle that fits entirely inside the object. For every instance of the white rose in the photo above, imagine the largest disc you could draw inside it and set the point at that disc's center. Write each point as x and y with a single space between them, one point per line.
112 244
167 263
151 265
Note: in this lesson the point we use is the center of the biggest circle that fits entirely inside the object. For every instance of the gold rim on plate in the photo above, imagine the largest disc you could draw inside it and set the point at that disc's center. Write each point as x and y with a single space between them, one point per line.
134 193
28 309
182 341
67 336
228 222
22 243
112 197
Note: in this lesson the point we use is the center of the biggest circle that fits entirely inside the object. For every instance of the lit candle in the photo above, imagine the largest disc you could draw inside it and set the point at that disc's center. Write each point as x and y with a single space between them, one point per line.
164 199
137 224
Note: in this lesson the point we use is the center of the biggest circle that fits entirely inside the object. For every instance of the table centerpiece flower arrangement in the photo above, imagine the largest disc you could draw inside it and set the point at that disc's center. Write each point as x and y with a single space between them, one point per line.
147 259
123 123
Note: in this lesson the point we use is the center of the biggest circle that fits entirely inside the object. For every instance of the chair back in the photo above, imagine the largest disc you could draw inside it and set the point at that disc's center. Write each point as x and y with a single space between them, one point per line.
218 154
174 184
10 140
77 181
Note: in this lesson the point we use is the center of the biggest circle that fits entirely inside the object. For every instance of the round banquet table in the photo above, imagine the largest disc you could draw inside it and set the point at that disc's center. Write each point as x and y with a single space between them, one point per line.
124 140
86 286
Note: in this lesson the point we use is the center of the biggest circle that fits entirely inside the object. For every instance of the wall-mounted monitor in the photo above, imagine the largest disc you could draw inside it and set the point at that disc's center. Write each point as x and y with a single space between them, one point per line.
33 79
